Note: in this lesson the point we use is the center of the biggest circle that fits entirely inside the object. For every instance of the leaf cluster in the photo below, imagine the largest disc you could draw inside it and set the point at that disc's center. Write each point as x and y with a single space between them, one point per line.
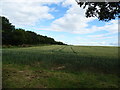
104 11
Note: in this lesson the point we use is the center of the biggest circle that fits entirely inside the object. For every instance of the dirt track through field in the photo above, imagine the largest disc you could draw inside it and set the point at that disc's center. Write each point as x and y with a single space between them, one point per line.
58 49
61 48
73 50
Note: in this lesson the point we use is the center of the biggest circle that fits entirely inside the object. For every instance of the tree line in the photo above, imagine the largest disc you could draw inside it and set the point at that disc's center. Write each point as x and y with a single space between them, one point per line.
13 36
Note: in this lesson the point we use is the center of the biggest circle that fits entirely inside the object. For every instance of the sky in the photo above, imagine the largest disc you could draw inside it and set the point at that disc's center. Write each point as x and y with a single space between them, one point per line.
62 20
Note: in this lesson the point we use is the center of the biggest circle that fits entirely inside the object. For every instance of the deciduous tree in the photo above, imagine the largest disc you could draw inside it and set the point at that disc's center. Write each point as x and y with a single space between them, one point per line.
104 11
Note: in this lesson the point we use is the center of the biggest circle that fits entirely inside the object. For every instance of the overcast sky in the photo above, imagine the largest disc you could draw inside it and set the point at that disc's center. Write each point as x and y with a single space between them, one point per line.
62 20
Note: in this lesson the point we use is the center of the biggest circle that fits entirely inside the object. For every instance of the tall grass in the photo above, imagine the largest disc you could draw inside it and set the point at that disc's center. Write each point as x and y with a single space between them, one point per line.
74 58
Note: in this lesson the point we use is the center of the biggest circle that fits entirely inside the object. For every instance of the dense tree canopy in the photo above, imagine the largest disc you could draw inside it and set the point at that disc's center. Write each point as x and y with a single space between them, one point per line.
6 25
104 11
12 36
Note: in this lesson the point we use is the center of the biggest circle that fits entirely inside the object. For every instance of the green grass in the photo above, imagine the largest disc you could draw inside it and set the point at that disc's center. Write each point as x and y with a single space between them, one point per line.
57 66
28 77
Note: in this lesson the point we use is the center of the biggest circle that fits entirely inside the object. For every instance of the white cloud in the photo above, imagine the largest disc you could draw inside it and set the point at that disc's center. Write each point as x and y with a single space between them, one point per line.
69 2
94 43
107 41
74 21
103 36
115 44
32 1
22 12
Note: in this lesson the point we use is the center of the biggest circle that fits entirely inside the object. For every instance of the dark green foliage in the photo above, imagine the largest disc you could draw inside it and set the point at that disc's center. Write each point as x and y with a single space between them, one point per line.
104 11
18 37
6 25
12 36
7 29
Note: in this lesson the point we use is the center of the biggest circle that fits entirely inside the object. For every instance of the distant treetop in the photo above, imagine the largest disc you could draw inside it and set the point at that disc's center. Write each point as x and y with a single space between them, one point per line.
13 36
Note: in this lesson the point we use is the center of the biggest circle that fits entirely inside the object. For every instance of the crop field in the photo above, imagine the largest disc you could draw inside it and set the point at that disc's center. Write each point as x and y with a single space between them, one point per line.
61 66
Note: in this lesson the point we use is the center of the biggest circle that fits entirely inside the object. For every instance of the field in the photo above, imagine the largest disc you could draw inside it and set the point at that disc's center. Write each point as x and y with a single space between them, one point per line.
61 66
